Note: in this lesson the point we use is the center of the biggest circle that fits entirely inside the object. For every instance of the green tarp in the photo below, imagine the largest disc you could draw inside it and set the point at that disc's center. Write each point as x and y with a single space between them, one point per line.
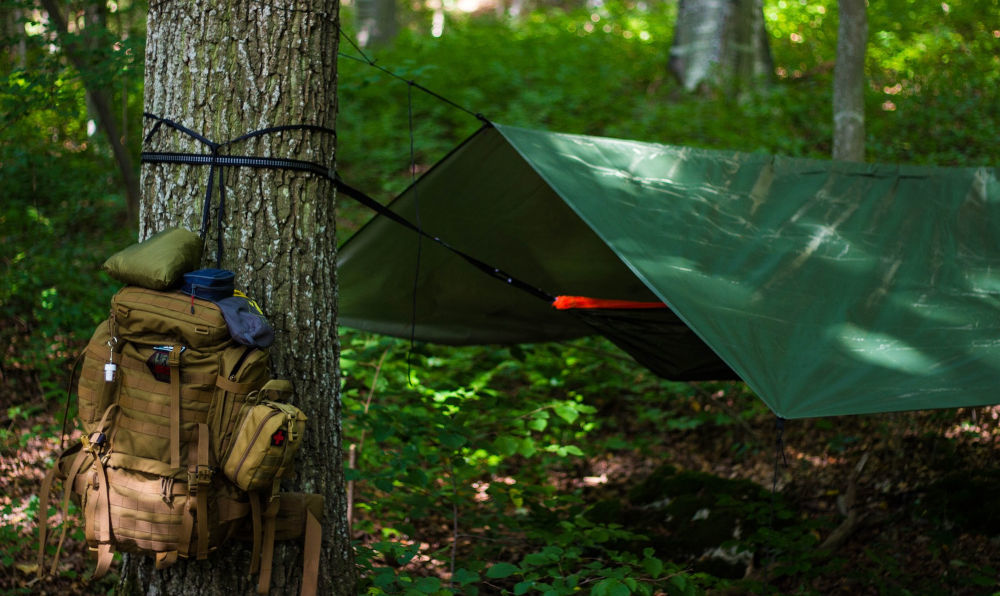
829 288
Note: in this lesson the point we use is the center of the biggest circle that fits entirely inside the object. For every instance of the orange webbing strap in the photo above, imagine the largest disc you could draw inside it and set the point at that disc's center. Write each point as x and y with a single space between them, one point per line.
174 361
67 493
43 501
165 559
102 520
584 302
104 558
310 554
267 549
186 527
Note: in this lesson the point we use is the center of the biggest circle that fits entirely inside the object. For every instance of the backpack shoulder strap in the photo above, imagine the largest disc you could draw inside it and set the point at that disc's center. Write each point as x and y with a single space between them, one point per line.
45 495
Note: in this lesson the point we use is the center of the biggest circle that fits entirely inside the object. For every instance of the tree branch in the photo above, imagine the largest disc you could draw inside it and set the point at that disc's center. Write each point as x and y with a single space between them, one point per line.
853 519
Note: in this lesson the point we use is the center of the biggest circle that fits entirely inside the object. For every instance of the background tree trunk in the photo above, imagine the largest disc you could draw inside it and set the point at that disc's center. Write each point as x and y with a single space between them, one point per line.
720 43
13 31
225 69
100 101
377 22
849 81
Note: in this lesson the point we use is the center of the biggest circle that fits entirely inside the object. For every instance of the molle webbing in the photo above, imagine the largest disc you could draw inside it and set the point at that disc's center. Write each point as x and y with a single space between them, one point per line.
168 317
147 474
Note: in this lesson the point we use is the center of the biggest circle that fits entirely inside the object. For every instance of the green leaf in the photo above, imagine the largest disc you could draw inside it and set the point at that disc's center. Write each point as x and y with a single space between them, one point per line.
384 577
567 411
526 447
416 477
501 570
538 424
682 583
610 586
452 440
653 567
523 587
463 576
428 585
381 433
537 559
506 445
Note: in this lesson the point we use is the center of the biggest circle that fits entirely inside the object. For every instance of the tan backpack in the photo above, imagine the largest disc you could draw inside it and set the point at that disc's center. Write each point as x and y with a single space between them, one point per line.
186 438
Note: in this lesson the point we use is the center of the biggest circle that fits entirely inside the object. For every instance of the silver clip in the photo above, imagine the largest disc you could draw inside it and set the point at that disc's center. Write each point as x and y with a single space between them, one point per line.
110 367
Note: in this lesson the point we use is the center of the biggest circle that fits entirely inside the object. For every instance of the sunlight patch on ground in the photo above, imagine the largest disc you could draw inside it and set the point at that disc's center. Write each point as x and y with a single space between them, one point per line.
984 424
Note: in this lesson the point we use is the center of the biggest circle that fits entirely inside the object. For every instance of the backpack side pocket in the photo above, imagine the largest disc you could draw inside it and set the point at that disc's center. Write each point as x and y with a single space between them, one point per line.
268 435
242 371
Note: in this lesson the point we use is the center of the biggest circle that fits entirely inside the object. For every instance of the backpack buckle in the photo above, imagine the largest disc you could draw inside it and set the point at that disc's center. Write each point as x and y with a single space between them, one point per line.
96 443
199 476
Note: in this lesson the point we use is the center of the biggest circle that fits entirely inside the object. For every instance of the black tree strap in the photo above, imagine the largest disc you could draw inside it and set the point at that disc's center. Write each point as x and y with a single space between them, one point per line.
217 161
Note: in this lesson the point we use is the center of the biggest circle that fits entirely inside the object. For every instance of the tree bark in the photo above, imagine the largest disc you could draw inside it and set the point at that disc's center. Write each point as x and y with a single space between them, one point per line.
222 70
848 82
720 43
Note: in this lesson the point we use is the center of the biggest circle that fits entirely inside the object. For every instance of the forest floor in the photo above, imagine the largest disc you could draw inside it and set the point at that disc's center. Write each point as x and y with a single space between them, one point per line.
921 489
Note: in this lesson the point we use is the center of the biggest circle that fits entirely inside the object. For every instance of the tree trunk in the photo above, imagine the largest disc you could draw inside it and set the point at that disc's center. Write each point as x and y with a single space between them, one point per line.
101 103
222 70
849 81
378 23
14 29
720 43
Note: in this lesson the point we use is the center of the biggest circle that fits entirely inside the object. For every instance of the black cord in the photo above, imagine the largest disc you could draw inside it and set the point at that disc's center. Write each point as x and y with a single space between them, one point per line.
779 458
69 394
420 237
412 84
214 160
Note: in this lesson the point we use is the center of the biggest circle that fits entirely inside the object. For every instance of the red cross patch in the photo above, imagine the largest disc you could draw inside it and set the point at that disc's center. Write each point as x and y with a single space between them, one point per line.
278 438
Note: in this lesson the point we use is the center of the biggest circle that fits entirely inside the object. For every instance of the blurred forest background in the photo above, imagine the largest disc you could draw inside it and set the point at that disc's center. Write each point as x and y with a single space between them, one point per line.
539 469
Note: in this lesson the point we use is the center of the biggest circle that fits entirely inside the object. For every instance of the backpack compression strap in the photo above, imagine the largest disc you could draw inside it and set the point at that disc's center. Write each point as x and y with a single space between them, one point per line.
277 521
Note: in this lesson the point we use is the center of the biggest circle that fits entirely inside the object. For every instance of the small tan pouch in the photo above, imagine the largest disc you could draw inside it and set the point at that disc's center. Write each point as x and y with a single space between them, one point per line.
267 437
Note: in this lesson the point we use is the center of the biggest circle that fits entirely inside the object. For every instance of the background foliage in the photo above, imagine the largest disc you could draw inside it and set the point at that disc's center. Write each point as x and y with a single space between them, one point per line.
532 469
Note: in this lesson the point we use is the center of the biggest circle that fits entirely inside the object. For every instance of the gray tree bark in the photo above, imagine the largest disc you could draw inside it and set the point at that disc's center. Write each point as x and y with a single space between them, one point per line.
720 43
849 81
224 69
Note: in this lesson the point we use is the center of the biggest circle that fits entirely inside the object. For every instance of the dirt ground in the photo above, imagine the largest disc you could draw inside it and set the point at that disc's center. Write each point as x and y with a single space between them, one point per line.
914 494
